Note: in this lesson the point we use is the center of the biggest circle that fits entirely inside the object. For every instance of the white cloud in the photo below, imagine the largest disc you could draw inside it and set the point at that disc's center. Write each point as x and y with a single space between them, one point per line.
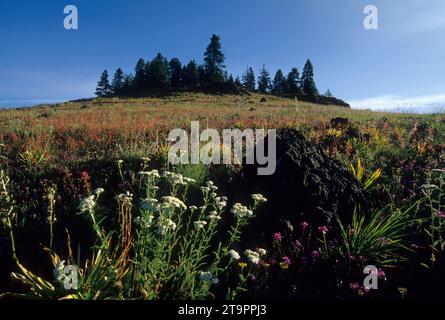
394 103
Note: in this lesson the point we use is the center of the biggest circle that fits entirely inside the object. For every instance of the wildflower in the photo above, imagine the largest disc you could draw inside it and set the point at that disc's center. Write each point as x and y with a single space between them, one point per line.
277 236
165 226
234 255
403 291
208 277
221 202
284 265
200 224
150 205
252 256
323 230
266 265
119 162
173 202
258 198
189 180
98 191
125 197
174 178
315 254
193 208
87 204
241 211
298 245
205 189
150 174
354 286
213 216
242 265
145 159
287 260
211 185
304 225
440 214
261 251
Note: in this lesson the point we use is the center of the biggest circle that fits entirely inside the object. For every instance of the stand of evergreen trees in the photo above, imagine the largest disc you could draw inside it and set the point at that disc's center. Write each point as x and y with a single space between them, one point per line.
161 74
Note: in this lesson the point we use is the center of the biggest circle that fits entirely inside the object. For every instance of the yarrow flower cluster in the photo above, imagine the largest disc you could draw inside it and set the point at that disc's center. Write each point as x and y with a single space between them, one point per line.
241 211
209 187
200 224
87 204
125 197
208 277
258 198
173 202
213 216
176 178
221 202
254 256
150 174
165 226
234 255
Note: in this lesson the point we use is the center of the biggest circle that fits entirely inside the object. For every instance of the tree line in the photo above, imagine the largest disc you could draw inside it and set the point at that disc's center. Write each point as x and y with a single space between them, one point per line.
163 74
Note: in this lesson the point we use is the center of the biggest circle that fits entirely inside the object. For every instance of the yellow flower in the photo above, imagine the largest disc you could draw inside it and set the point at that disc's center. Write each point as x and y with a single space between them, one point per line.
242 265
266 265
284 265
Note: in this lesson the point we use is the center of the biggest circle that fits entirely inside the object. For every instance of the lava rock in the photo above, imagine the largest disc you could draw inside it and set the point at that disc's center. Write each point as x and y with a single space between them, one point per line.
306 186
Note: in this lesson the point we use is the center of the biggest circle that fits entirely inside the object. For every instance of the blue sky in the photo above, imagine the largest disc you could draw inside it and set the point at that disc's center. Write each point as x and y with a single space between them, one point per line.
401 63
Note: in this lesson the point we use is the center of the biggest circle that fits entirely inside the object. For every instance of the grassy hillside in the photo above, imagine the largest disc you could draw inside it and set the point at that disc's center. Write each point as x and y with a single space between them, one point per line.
53 157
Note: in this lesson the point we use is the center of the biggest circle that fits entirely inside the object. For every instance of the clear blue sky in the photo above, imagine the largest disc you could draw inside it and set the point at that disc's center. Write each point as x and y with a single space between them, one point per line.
403 59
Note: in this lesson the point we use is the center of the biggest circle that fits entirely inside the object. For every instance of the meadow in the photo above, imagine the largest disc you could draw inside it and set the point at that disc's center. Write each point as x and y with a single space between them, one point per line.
87 183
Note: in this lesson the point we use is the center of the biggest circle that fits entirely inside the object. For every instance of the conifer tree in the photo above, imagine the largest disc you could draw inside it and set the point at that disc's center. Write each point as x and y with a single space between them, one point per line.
118 82
104 88
249 81
158 72
214 61
264 82
190 74
307 80
293 83
140 76
175 69
279 84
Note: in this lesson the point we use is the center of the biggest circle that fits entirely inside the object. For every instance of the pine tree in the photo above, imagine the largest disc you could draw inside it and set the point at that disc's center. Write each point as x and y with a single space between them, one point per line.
249 80
279 87
128 85
104 88
118 82
293 83
328 93
175 68
264 81
238 82
158 72
140 76
190 74
214 61
307 80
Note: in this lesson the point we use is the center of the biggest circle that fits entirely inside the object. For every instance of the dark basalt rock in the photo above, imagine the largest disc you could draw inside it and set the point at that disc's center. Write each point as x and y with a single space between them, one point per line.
306 186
